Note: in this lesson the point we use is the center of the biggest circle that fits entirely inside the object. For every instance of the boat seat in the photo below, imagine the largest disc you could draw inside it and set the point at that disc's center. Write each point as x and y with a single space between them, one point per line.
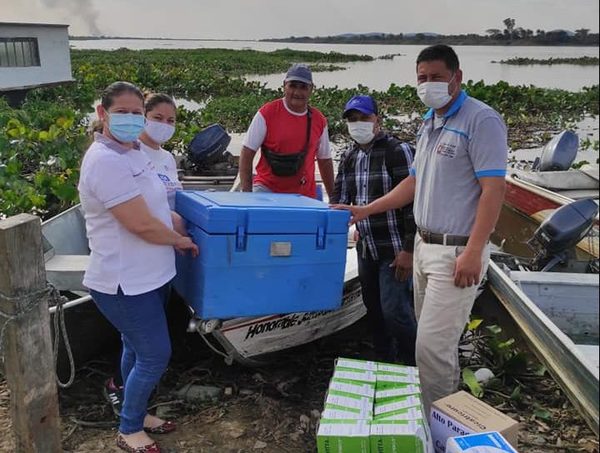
65 272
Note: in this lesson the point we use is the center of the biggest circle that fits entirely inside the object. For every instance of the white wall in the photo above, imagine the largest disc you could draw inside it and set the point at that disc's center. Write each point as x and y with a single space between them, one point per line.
55 59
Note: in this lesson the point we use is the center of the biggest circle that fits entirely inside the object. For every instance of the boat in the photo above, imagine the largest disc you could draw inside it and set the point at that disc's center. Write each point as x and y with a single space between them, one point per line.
245 340
553 299
537 190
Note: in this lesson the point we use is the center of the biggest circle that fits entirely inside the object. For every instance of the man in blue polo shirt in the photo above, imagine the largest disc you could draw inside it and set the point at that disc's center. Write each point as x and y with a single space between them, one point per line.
457 185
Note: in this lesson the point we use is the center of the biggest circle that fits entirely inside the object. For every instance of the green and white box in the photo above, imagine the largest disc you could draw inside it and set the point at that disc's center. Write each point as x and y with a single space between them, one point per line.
410 413
344 413
397 369
352 387
355 364
355 375
361 406
386 380
389 409
343 436
398 437
400 391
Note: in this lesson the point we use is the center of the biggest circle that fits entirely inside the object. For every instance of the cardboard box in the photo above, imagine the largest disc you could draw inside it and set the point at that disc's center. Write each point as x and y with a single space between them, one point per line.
343 436
480 443
398 437
461 414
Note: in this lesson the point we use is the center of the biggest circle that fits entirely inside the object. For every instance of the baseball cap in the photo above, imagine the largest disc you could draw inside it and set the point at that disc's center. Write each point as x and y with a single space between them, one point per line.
300 73
362 103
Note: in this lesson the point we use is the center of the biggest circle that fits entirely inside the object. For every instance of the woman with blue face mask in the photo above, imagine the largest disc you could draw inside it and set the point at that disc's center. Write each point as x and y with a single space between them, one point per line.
132 255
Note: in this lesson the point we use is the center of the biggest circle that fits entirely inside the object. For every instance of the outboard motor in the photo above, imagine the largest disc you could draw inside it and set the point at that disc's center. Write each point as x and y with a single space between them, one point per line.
561 232
209 145
559 153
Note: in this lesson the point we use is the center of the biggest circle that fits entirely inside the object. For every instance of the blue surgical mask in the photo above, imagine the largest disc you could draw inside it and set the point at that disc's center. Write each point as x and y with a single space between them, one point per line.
126 127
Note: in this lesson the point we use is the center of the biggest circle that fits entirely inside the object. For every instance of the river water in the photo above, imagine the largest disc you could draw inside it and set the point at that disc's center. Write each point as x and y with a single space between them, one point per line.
476 62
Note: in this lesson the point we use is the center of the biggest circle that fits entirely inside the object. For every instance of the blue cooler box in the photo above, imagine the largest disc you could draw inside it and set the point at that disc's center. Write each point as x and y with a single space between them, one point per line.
261 254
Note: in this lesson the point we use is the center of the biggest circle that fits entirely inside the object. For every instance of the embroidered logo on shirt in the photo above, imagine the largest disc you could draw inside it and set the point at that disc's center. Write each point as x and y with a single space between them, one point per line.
164 178
446 150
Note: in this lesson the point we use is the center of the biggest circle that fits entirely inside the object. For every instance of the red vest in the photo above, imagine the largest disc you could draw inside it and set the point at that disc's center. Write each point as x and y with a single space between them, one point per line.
286 134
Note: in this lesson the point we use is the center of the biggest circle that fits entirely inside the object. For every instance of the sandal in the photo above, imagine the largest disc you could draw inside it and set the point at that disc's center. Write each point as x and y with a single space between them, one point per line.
123 445
165 428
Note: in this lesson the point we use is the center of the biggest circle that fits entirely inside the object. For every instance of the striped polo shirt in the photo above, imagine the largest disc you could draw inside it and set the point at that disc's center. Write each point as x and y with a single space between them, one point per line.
453 152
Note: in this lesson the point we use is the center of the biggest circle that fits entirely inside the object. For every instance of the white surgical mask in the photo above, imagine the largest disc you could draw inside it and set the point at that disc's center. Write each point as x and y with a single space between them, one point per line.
434 95
159 132
361 131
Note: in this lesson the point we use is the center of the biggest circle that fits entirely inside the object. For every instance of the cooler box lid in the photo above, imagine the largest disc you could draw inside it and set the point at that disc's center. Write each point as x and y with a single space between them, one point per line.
259 213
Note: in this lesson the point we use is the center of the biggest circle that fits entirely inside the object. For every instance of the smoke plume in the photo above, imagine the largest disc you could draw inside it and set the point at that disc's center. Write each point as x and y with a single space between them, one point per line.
79 8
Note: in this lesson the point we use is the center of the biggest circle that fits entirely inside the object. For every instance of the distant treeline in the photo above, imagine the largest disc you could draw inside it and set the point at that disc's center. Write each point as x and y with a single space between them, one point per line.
581 61
518 37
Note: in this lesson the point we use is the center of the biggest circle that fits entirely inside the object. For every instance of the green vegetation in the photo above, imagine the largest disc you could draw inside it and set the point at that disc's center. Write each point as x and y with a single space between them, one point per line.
581 61
41 143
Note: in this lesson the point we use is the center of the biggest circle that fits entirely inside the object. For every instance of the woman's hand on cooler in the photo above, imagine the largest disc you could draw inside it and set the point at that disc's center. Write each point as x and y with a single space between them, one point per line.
184 244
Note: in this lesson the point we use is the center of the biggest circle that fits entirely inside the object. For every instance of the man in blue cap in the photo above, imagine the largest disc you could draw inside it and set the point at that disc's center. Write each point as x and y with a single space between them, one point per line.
373 165
291 136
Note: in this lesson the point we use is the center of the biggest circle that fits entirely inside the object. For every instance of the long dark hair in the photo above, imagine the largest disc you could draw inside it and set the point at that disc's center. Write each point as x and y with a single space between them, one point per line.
116 89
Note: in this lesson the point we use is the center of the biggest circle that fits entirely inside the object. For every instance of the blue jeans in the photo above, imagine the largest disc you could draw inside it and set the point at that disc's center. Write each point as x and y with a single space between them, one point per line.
390 310
142 321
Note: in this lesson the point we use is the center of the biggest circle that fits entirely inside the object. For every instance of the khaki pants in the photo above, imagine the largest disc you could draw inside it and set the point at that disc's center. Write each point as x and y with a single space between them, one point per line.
442 310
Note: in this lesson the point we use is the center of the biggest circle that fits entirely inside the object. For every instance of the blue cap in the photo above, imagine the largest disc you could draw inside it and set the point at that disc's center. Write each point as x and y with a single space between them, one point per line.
362 103
300 73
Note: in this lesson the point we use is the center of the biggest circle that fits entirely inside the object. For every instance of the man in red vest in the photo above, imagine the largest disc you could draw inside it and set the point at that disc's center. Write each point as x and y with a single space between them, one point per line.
291 136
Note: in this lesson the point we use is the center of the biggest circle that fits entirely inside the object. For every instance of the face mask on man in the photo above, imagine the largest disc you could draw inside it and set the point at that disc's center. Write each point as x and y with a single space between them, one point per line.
434 95
126 127
159 132
362 132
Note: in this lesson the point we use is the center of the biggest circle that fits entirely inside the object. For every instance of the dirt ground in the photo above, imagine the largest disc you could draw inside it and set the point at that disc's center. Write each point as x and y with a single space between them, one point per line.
271 409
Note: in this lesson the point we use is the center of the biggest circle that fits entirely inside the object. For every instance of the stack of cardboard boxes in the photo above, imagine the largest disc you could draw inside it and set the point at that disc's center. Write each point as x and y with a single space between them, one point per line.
373 408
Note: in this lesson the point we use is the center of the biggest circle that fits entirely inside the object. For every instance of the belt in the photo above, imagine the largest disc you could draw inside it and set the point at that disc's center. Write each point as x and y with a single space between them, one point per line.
442 239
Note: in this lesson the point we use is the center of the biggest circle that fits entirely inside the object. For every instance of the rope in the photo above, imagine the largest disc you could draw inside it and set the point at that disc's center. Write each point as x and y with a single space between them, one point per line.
27 303
31 301
60 329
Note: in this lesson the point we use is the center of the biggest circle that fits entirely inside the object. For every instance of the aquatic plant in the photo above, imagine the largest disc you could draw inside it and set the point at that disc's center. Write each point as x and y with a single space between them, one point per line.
41 143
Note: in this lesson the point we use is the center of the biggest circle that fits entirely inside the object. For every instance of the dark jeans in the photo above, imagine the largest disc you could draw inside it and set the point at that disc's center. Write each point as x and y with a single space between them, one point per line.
146 347
390 310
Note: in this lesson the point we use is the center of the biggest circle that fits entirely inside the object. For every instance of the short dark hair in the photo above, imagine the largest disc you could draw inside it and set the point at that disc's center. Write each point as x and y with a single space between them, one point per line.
154 99
440 52
116 89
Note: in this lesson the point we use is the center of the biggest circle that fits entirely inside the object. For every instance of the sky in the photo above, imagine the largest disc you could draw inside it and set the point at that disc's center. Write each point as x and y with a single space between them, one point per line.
257 19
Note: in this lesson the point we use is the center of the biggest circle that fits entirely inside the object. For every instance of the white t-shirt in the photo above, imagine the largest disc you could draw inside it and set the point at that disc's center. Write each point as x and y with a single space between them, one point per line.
255 136
111 175
166 167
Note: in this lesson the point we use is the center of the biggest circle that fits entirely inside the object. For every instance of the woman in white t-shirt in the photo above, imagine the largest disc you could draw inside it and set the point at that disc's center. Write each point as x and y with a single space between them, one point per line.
161 115
132 240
